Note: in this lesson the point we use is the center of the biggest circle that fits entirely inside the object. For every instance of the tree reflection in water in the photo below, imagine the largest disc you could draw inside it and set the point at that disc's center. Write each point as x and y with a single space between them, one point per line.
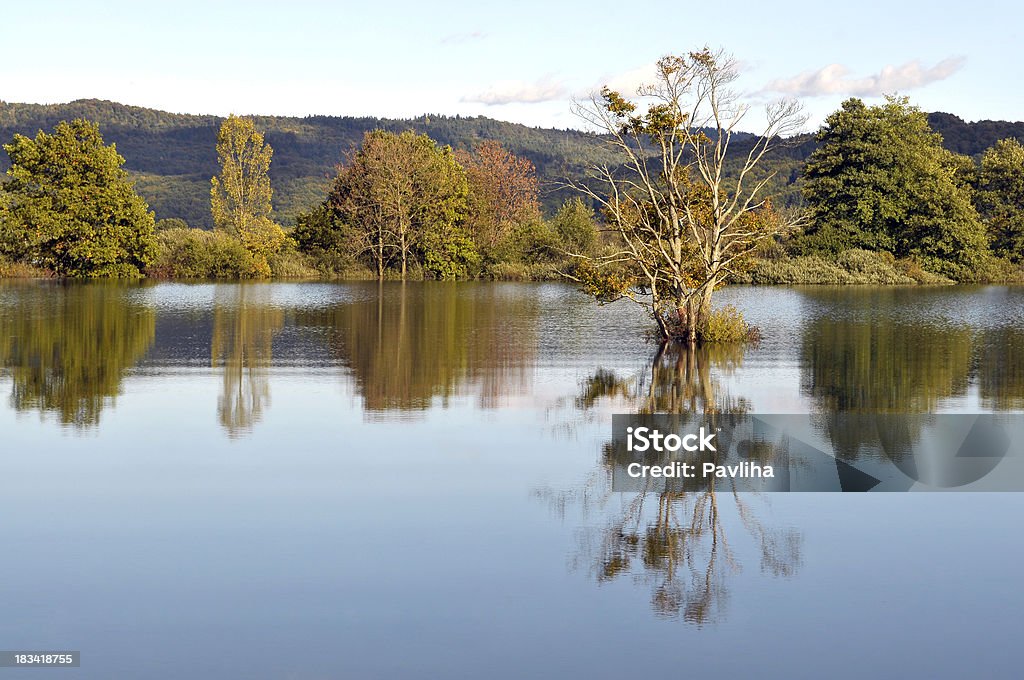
411 346
68 346
1001 368
244 325
676 543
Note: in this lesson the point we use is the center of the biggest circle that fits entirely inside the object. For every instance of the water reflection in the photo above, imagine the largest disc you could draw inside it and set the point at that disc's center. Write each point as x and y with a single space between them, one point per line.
67 347
1001 368
676 543
407 348
867 366
884 354
409 344
244 324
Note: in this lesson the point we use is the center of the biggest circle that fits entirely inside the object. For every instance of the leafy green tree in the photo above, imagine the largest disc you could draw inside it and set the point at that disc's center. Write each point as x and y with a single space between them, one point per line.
575 225
68 206
169 223
320 234
881 180
1000 197
240 198
201 254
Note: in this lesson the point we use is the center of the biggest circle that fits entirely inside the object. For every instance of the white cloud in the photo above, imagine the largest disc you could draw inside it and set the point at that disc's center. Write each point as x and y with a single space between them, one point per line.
520 92
628 82
835 79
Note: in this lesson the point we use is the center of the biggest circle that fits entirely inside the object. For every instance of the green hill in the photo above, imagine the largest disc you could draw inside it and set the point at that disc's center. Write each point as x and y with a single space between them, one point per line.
172 156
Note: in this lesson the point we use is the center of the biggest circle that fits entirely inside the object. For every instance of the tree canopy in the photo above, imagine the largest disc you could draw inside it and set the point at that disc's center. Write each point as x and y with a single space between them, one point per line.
240 197
881 180
686 214
402 198
503 192
1000 197
171 155
68 206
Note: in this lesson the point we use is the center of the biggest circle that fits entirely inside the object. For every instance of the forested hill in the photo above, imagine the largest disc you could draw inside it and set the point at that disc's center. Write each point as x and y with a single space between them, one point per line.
972 139
172 156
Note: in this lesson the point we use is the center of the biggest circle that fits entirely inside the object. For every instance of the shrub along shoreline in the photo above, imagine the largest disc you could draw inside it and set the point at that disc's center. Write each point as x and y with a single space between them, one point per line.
864 267
200 254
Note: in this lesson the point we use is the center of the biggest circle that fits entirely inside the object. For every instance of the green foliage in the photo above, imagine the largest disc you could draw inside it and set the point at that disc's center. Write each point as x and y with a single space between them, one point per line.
171 223
200 254
69 207
726 325
449 252
399 203
880 180
528 243
325 241
574 223
992 269
850 267
1000 197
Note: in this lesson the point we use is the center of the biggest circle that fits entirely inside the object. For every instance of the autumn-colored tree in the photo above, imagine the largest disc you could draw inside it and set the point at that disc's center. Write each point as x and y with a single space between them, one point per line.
686 214
240 198
503 192
403 199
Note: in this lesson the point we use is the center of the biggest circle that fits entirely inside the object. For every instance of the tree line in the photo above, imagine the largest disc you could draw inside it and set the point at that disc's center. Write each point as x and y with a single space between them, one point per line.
170 155
402 204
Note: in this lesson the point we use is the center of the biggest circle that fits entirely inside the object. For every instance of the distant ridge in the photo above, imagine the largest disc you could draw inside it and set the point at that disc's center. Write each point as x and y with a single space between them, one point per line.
172 155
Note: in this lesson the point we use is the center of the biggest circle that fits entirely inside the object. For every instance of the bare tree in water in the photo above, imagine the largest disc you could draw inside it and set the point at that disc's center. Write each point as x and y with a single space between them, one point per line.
690 203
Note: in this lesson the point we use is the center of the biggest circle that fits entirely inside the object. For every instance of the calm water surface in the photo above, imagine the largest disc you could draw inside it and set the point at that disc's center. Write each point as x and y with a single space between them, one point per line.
363 481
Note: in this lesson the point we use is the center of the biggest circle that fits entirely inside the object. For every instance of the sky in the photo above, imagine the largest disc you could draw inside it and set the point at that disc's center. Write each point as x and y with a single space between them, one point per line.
523 62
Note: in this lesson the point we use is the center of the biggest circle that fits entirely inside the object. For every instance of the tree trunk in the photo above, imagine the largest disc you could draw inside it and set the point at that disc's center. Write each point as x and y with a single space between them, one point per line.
380 257
404 254
692 320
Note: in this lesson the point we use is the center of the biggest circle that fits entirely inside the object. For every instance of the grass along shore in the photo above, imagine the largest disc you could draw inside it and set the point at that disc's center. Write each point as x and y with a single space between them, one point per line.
211 258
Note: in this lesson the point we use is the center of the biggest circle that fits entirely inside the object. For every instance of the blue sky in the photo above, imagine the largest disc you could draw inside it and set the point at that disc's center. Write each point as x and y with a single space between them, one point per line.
521 62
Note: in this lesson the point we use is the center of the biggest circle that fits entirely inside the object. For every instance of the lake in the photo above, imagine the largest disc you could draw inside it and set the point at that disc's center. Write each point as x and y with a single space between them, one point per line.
363 480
